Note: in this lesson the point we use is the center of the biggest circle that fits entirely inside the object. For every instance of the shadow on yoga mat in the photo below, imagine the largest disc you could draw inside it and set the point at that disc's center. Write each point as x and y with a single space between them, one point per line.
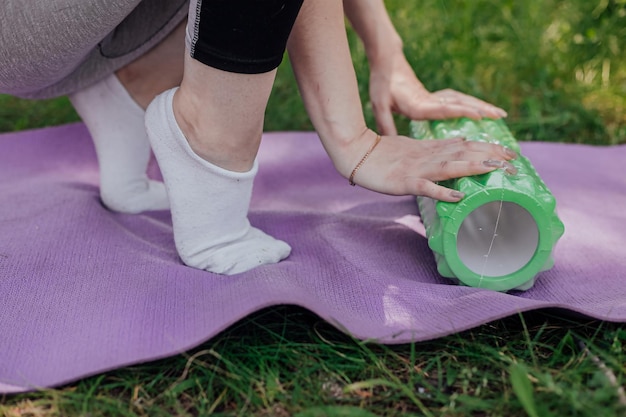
84 290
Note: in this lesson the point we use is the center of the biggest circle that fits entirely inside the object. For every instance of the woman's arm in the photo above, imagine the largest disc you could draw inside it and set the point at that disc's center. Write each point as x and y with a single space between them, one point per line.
321 60
394 87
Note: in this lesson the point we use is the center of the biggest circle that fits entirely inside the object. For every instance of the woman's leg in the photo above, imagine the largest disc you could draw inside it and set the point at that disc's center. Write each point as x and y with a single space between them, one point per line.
114 112
158 70
206 134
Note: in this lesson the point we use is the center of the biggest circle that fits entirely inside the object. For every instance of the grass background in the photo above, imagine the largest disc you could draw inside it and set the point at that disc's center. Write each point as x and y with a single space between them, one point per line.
556 67
559 69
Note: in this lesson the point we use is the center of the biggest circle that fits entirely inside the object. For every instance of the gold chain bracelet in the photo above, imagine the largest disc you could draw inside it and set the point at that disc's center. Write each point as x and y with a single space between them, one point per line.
362 161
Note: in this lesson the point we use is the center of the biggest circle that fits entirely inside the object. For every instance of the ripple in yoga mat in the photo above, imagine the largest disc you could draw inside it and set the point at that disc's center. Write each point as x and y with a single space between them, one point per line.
84 290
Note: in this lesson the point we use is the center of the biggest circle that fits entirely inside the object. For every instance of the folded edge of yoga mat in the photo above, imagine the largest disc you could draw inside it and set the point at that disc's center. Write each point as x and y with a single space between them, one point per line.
84 290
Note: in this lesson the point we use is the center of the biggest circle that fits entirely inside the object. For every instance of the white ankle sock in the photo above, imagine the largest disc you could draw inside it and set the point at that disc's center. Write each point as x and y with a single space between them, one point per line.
209 204
117 126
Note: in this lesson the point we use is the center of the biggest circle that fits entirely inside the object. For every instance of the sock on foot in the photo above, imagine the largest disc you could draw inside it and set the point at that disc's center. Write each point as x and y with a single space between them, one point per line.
209 204
117 126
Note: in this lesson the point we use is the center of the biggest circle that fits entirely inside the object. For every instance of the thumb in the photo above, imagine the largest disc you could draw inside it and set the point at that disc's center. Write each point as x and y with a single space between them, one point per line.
384 121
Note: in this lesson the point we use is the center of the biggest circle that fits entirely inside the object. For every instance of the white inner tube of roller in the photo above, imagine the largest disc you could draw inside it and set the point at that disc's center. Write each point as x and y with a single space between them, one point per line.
497 239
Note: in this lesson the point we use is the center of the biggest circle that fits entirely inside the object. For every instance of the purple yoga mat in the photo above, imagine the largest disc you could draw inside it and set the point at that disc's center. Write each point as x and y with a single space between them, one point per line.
84 290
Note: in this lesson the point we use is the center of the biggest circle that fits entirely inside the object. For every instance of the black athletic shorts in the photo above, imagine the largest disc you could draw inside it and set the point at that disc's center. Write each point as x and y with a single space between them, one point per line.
243 36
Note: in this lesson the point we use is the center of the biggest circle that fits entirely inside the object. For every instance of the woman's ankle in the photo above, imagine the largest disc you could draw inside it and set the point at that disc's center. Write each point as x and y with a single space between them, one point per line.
214 140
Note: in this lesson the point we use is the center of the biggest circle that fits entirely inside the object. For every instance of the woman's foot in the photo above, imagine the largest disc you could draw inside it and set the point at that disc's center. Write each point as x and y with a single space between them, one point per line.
116 124
209 204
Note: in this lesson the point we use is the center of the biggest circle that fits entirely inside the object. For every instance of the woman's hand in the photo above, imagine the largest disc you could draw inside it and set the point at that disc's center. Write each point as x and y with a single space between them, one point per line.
394 88
399 165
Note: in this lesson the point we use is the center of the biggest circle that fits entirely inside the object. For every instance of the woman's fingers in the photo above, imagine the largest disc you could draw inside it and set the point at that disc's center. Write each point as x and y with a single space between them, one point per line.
436 109
475 150
422 187
384 119
445 170
448 103
458 102
459 149
423 184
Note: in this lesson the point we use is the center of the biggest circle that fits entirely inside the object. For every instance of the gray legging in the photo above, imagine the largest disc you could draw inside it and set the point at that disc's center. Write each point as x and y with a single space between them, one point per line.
56 47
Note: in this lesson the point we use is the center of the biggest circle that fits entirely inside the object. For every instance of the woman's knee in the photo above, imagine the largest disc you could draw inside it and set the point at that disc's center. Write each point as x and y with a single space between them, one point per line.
243 36
42 42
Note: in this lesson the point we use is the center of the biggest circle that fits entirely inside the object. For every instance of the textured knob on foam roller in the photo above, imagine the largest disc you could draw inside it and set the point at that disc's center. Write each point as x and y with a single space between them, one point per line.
502 234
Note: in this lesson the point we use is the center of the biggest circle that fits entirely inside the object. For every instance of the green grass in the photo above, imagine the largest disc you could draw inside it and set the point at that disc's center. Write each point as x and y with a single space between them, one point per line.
18 114
285 361
559 69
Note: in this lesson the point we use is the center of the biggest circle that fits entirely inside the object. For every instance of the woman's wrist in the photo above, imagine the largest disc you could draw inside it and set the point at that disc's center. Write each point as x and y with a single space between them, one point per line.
346 152
383 48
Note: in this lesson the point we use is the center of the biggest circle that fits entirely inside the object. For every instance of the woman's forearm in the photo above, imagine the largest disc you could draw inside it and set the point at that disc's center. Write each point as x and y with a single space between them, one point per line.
323 67
372 23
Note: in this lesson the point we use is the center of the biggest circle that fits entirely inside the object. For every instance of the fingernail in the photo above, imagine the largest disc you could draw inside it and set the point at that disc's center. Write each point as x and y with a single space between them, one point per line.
507 166
457 194
510 152
510 168
493 163
502 113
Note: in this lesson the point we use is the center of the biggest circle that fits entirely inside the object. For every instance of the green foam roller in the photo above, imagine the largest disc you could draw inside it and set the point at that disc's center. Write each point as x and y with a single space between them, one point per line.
502 234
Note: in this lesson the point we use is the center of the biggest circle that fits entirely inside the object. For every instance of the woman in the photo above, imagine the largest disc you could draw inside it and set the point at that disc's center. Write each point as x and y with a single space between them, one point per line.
206 133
